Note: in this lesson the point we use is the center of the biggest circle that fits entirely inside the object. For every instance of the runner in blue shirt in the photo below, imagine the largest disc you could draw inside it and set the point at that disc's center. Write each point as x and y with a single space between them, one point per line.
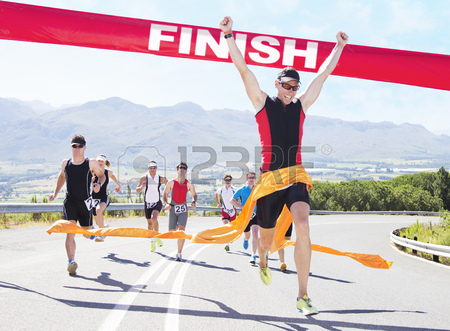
239 199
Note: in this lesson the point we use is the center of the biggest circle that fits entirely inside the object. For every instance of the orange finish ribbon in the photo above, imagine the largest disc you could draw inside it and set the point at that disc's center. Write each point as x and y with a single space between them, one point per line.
268 183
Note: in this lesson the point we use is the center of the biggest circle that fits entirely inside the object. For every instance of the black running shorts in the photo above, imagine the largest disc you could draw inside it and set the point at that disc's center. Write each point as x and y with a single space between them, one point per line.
270 206
77 211
252 222
149 207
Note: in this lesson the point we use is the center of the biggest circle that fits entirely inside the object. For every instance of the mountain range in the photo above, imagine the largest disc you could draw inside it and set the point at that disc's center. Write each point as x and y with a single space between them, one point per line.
39 133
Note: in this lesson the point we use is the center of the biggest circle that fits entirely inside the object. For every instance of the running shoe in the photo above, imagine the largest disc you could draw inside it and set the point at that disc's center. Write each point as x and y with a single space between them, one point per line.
152 246
72 268
227 247
158 242
253 260
245 244
92 237
178 257
304 306
266 275
283 267
101 239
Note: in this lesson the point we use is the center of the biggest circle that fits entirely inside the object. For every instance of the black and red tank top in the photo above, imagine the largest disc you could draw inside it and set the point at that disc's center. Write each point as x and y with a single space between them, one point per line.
78 180
280 132
179 191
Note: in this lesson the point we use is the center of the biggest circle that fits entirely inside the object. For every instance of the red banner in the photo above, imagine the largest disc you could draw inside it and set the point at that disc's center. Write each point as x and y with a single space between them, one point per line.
57 26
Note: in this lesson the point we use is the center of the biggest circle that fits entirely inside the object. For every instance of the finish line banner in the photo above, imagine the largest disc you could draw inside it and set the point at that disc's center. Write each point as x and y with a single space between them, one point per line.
66 27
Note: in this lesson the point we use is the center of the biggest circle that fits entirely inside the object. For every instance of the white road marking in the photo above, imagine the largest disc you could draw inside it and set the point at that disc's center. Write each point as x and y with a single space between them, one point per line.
165 274
114 318
172 317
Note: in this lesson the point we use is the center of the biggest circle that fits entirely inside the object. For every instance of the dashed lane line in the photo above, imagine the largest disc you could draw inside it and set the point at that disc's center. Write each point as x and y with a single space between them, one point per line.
172 316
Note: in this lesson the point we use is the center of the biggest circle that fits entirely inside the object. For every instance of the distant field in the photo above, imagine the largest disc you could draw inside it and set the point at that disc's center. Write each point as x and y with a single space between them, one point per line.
19 182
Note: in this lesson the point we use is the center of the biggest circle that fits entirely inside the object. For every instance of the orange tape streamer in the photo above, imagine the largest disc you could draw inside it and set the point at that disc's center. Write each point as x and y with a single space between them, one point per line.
268 183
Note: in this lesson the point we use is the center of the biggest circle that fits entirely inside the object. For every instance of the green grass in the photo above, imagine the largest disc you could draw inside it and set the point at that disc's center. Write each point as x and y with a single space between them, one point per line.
438 234
8 221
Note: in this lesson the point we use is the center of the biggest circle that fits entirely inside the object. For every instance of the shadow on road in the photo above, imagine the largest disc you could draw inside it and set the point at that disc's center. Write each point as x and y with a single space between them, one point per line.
199 263
103 279
113 257
333 279
226 312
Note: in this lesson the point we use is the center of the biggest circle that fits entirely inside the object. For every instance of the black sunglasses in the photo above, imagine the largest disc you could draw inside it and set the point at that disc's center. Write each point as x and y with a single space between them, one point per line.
288 87
184 168
77 146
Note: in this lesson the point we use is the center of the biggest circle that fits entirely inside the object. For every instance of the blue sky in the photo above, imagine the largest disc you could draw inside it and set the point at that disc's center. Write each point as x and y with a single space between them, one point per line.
65 75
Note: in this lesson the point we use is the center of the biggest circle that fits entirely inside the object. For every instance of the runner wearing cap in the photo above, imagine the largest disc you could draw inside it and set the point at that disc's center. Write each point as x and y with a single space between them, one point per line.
178 188
152 199
101 199
224 195
280 125
77 172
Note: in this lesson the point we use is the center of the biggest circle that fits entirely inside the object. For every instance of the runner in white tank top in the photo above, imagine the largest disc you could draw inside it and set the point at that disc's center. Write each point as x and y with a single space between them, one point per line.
151 184
223 197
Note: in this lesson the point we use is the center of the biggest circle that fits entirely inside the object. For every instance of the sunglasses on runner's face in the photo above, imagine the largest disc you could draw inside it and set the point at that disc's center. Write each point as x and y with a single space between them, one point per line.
228 180
288 87
182 168
77 146
251 177
152 167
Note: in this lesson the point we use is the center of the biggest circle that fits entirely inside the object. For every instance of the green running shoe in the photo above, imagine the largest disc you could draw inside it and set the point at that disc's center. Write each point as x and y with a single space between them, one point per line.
304 306
152 246
158 242
266 275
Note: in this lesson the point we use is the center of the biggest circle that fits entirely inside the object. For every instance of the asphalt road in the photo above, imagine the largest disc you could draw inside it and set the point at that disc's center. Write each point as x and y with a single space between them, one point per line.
121 285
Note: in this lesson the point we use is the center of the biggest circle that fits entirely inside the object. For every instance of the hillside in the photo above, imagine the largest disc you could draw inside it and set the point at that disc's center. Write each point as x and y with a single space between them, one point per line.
115 127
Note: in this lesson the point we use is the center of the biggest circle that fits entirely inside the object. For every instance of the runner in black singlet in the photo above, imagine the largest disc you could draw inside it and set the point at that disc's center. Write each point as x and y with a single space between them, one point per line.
101 199
280 125
76 172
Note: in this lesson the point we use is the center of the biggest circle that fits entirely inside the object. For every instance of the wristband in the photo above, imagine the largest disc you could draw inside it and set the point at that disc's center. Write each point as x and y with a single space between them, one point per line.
229 35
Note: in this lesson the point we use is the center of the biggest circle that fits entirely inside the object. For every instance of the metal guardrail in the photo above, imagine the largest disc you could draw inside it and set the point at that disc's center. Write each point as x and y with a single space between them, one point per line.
389 212
11 208
435 250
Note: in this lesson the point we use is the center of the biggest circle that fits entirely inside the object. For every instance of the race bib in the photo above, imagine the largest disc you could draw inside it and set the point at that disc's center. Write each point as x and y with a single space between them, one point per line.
89 202
231 212
151 205
180 209
95 203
